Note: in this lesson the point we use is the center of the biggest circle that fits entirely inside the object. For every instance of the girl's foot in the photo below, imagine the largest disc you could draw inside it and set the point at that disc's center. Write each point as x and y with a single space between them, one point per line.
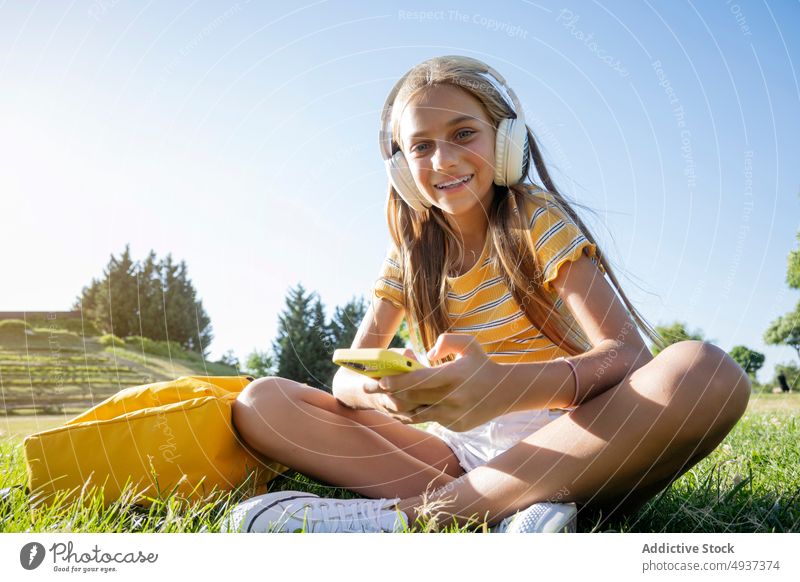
293 511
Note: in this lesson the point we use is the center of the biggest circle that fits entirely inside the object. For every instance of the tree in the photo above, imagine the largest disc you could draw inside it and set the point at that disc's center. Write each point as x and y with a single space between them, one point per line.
150 306
793 271
786 329
110 302
321 347
186 320
303 341
154 299
229 359
346 319
345 322
750 360
675 333
402 338
259 364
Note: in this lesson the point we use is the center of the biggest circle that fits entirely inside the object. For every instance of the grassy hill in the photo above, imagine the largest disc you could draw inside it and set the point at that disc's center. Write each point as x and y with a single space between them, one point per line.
54 370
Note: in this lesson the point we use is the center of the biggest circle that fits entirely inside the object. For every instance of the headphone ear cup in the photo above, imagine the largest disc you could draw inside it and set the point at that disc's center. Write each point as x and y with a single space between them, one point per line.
402 181
512 152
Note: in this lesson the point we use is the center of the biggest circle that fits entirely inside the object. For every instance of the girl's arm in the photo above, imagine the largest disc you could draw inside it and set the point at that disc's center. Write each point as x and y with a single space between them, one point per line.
618 349
455 394
377 329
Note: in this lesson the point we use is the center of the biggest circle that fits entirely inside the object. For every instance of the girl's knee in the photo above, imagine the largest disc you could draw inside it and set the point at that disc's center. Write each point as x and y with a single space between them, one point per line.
268 389
263 401
706 382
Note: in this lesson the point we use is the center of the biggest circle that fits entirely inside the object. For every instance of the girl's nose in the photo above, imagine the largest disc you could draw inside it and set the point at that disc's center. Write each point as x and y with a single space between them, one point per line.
445 156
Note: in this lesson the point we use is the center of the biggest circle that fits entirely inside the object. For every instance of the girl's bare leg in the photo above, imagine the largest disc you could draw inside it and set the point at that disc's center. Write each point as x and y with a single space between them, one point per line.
621 447
363 450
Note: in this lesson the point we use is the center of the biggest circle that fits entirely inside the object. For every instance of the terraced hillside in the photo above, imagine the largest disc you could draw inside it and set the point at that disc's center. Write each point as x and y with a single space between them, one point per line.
46 371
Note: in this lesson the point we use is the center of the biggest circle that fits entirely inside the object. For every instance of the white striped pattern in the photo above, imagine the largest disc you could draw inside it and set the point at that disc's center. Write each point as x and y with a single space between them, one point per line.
480 303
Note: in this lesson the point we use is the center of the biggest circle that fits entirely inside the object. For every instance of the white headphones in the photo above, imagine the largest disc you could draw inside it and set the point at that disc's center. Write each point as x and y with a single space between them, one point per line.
512 151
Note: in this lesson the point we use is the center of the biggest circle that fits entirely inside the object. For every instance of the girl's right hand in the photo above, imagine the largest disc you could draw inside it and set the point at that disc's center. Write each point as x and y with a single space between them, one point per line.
378 398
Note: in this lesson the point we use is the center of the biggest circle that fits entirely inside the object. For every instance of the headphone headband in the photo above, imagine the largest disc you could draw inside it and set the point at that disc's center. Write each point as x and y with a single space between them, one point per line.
497 81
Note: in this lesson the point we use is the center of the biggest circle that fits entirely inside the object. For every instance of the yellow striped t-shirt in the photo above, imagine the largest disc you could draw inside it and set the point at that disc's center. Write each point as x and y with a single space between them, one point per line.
480 303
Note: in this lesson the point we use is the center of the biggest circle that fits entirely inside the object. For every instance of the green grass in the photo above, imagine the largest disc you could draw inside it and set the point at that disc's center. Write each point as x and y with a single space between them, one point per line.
166 513
750 483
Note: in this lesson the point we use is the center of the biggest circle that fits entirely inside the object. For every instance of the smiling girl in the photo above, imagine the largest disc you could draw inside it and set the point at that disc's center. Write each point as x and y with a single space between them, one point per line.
545 397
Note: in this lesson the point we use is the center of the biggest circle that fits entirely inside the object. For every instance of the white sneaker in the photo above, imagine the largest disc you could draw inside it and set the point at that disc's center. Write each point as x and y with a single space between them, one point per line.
541 518
293 511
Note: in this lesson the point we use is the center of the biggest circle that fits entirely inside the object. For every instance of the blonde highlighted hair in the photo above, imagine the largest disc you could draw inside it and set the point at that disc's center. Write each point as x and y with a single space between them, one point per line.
418 235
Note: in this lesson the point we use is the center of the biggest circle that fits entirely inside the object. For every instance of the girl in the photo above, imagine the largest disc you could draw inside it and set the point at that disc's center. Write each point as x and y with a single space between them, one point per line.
545 394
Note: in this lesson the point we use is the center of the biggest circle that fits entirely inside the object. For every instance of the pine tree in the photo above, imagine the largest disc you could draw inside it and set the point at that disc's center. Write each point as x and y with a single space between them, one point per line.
321 348
154 299
110 302
182 312
297 346
345 322
150 308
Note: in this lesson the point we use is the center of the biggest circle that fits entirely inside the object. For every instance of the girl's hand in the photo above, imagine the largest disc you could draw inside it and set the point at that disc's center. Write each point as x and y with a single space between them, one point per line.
383 402
459 395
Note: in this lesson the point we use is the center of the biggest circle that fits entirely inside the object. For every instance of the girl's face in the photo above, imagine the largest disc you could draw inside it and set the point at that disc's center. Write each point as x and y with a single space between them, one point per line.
447 137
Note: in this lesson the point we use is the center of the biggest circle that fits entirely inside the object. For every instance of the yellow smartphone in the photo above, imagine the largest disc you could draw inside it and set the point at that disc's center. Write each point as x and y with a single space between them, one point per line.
375 362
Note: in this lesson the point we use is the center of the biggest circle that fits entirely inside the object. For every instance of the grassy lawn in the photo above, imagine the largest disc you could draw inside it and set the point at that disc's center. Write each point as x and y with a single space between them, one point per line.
18 427
57 371
750 483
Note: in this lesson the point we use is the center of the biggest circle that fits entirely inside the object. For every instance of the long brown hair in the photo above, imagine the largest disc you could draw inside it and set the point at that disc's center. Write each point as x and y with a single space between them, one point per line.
419 235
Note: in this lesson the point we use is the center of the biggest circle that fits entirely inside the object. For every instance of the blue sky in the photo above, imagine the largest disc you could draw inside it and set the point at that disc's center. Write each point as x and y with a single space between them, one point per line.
242 137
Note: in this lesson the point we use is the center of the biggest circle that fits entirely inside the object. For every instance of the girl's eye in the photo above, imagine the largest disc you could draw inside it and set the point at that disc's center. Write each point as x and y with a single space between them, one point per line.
421 148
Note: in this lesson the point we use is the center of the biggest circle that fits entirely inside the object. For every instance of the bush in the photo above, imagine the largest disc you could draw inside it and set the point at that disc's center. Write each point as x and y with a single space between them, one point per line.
66 323
759 388
159 348
259 364
110 339
229 359
13 326
56 332
85 327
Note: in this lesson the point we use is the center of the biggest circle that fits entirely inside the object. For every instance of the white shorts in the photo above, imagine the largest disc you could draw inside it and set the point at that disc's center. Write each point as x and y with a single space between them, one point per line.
475 447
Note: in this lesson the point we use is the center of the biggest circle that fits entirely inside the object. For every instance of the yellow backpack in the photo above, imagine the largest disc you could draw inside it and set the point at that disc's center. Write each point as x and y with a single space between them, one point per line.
161 438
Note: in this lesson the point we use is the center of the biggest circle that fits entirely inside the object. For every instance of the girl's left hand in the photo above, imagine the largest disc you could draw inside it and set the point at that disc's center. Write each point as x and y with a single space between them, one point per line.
460 395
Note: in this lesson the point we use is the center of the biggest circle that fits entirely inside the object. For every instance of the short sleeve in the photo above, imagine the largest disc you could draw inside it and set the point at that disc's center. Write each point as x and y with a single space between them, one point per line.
389 284
557 239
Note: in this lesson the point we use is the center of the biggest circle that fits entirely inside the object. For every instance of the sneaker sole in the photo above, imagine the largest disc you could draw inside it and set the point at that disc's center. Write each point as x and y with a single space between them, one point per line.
251 521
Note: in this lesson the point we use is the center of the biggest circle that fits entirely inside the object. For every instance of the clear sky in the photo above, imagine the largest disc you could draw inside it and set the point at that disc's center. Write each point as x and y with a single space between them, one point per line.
242 138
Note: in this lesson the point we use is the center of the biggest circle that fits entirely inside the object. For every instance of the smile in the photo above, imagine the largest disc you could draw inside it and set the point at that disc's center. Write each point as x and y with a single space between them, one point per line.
454 184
